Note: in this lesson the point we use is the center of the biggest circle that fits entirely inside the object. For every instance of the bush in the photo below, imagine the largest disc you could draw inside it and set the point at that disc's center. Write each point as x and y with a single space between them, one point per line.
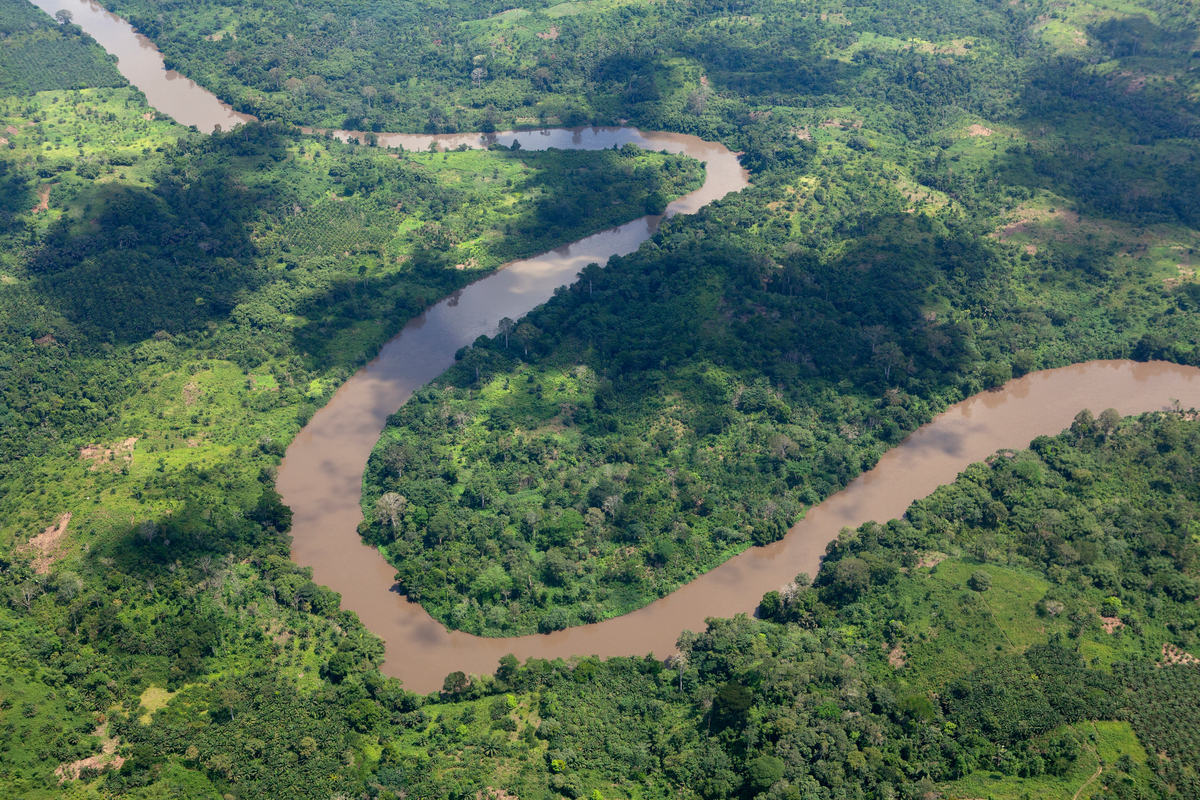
980 581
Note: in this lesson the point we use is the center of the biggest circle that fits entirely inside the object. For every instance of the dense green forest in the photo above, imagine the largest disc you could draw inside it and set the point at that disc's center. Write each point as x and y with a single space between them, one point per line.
944 195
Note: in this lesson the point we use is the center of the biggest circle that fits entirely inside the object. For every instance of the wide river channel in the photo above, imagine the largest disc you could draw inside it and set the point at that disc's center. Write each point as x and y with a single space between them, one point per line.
321 475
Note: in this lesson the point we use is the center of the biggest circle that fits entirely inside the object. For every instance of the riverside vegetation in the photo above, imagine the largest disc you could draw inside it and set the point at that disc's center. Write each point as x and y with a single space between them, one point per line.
943 197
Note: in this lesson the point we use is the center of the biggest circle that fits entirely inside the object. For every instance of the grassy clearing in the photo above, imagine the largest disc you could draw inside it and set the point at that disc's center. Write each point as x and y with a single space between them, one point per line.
1103 744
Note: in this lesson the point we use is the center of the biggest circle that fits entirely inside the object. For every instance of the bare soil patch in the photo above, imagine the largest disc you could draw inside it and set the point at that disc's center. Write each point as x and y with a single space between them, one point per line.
551 34
45 341
105 759
1172 655
113 456
43 200
897 657
979 130
191 393
1110 624
11 129
47 544
932 559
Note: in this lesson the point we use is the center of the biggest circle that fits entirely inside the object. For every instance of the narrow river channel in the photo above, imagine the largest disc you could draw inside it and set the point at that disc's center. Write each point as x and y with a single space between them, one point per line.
321 475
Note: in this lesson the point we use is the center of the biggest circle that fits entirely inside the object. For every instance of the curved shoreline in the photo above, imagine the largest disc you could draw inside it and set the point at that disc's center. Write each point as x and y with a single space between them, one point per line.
321 477
321 474
421 651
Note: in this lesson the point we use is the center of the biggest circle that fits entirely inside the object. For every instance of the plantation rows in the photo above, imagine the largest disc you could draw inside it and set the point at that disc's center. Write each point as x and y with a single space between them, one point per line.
1165 712
335 226
44 61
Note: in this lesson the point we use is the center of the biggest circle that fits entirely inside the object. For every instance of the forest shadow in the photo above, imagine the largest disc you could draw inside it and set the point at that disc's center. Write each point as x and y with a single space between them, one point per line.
733 66
1138 36
1132 154
125 262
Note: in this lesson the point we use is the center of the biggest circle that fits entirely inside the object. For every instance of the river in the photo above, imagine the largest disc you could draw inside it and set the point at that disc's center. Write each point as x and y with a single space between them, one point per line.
321 475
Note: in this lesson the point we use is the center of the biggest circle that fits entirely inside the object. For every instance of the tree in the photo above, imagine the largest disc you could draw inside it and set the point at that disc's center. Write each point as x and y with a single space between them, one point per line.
1108 422
229 698
369 92
505 328
764 771
390 507
294 85
1083 425
527 334
732 703
396 457
888 355
64 16
507 669
980 581
771 605
477 75
455 682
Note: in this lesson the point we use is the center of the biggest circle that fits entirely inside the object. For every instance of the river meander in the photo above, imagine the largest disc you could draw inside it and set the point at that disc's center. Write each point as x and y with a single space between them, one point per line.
321 475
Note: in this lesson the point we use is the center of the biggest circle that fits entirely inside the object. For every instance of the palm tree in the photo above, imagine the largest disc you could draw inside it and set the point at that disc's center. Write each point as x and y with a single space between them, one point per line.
390 507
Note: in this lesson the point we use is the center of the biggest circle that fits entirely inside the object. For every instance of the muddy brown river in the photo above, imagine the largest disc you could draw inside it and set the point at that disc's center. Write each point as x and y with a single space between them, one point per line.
321 475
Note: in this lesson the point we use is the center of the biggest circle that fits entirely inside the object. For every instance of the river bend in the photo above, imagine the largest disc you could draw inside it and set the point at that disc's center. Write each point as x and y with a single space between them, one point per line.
321 475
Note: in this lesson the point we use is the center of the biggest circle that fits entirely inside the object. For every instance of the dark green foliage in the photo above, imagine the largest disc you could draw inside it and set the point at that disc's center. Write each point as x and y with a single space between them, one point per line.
1017 697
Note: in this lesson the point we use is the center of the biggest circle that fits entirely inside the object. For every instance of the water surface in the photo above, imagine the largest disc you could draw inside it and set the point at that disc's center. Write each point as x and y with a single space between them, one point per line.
139 61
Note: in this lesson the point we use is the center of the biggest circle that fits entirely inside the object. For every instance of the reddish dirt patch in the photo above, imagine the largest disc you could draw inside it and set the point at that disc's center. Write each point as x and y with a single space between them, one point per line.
1029 220
551 34
897 657
12 130
191 393
1172 655
113 456
47 544
43 200
106 758
931 559
45 341
1110 624
978 130
147 116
